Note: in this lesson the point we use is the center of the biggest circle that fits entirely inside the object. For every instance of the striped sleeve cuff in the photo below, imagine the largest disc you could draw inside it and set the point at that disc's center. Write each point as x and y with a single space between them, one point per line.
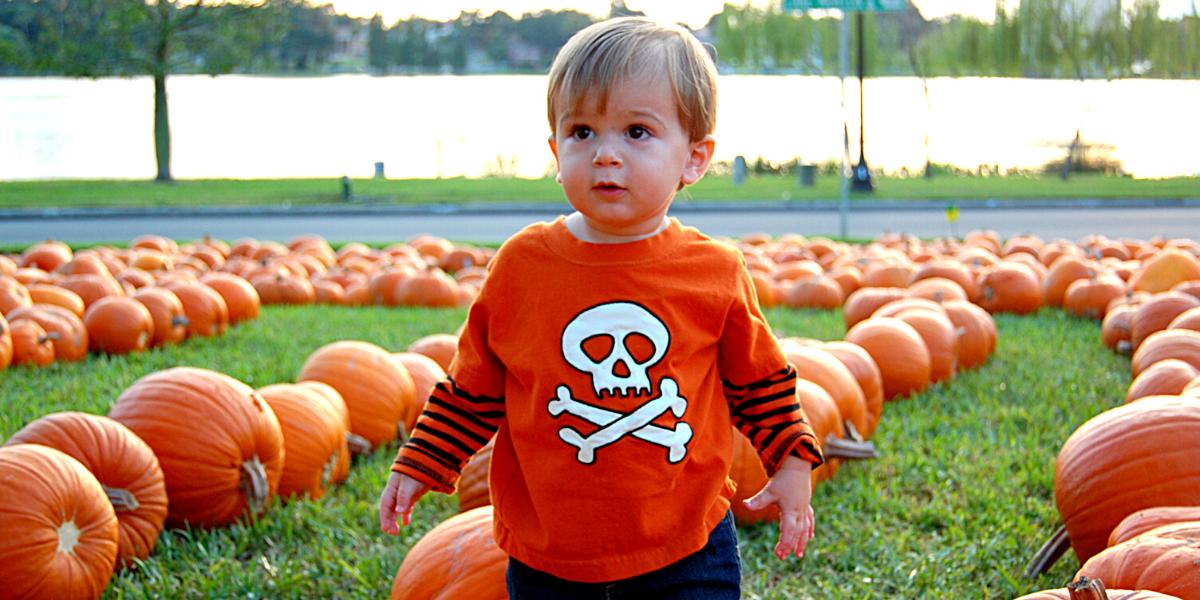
769 414
453 426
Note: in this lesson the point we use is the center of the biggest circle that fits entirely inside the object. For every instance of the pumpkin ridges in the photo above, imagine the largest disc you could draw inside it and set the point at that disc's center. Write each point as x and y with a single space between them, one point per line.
313 437
1163 559
457 559
1165 377
119 460
170 320
53 484
898 350
377 390
473 490
119 325
866 373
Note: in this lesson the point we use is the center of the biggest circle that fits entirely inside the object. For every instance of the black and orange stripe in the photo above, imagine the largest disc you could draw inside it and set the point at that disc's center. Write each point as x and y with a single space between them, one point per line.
767 412
453 426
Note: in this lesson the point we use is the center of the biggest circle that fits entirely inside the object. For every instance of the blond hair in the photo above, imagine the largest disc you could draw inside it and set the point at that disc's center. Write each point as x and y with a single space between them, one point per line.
598 56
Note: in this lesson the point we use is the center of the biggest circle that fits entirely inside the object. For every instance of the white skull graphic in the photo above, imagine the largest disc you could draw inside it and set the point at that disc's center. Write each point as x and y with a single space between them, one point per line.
618 320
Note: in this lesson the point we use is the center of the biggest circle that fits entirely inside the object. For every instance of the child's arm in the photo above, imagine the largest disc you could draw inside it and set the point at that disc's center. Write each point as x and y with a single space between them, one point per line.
397 500
791 489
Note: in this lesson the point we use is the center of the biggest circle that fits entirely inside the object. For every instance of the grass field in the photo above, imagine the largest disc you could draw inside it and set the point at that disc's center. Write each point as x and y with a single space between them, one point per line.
117 193
960 499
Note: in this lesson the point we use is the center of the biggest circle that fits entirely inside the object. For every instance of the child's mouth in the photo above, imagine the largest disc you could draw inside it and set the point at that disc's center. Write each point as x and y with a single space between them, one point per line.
608 188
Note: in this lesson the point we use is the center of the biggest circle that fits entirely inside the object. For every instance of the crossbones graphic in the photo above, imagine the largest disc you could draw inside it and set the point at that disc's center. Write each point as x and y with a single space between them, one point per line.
619 320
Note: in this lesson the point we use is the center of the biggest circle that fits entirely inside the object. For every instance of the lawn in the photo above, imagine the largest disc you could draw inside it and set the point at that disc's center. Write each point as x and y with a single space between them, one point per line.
960 499
118 193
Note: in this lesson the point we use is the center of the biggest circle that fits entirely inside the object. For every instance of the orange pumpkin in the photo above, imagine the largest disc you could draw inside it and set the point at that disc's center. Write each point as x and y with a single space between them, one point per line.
60 539
280 289
1151 518
1189 319
428 287
119 325
1164 270
378 391
764 288
457 559
898 350
866 300
425 373
13 294
473 490
1191 287
441 347
1158 312
947 269
817 291
824 369
31 345
1062 274
941 340
69 335
1069 593
47 255
823 416
1131 457
1010 287
1183 344
314 438
887 274
241 299
124 465
1162 559
205 309
1115 328
382 286
328 292
91 287
218 442
892 309
866 373
170 322
1164 378
1090 297
848 277
44 293
937 289
353 444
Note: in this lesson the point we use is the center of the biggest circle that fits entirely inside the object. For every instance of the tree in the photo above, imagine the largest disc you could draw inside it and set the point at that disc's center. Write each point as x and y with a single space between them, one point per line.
94 38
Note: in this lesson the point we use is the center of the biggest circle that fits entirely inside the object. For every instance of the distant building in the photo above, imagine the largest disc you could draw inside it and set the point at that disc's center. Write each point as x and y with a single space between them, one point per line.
349 44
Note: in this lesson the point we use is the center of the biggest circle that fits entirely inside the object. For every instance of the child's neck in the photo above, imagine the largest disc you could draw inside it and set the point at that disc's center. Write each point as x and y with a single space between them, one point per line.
579 228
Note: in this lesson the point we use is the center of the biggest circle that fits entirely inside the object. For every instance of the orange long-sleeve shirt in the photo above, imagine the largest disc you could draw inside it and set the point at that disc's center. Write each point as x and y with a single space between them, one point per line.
609 375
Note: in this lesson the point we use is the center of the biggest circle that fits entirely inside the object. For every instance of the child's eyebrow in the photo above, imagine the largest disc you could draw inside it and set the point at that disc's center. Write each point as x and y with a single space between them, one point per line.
645 114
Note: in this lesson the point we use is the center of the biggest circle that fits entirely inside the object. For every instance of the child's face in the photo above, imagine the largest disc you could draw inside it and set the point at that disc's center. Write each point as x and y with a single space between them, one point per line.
621 168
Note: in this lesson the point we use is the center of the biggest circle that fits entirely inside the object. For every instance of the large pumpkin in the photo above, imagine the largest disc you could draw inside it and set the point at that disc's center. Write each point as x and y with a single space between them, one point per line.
219 443
866 373
1061 274
1132 457
1183 344
428 287
1163 559
941 340
425 373
314 438
60 532
473 487
976 331
378 390
1158 312
45 293
898 350
457 559
170 320
241 299
119 325
205 309
6 344
866 300
824 369
1165 270
1189 319
71 341
1151 518
354 444
1115 330
125 466
1164 378
1010 287
1090 297
823 416
441 347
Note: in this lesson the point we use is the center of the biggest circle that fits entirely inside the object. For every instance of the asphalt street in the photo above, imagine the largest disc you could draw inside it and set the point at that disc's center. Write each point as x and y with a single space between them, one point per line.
1047 222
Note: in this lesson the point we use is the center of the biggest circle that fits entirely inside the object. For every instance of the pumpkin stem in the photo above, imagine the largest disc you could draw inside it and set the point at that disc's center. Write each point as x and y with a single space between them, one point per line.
1087 589
180 321
836 447
1125 347
358 444
327 470
401 432
53 336
852 433
1049 553
254 484
122 500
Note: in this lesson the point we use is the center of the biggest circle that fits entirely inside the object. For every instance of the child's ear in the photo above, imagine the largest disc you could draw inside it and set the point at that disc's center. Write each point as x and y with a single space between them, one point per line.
554 151
698 161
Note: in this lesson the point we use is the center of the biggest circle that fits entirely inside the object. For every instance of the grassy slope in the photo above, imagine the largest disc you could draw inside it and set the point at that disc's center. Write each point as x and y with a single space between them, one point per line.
961 498
421 191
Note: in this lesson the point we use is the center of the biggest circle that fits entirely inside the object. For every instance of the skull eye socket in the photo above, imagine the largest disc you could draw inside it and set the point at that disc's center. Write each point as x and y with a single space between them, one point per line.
598 347
640 347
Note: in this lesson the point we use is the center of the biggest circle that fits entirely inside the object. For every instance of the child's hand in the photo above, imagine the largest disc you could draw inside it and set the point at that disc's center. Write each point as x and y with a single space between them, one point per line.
397 500
791 489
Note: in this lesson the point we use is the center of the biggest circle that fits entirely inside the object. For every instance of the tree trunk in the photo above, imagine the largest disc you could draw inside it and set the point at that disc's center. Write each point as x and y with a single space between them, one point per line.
162 129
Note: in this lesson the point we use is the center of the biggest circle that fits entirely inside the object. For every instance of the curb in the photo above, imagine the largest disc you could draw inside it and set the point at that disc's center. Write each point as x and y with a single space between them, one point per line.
369 208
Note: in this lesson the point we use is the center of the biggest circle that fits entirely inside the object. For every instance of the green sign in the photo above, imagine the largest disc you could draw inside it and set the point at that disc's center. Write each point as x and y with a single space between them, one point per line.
847 5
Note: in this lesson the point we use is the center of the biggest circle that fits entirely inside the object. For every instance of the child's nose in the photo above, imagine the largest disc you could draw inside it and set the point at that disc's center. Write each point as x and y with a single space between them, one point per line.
606 156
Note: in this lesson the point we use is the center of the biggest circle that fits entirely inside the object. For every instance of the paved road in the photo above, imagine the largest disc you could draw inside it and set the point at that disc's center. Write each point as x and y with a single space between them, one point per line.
1047 222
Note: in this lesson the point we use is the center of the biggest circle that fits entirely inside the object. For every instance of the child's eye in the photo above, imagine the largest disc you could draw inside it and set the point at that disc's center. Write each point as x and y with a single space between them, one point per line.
638 132
581 133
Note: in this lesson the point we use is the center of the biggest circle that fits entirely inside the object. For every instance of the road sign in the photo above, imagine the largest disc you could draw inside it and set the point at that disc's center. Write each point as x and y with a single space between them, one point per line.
847 5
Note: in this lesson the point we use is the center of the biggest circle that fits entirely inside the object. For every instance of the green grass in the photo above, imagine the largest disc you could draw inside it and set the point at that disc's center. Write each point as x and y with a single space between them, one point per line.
118 193
960 499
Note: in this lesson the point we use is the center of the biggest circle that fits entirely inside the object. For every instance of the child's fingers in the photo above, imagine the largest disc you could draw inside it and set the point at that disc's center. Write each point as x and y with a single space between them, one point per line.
764 498
789 535
387 511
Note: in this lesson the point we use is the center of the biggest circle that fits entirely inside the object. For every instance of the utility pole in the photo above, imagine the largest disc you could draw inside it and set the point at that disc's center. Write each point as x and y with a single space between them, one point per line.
861 181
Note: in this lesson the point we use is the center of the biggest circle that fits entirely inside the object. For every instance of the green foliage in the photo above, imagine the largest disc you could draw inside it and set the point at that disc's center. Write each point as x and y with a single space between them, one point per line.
959 499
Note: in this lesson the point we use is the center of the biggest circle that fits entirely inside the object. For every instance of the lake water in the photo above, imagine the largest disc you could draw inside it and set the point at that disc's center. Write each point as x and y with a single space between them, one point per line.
429 126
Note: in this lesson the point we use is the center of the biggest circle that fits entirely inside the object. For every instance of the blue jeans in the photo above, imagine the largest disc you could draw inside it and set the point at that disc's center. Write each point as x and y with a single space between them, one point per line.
713 573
